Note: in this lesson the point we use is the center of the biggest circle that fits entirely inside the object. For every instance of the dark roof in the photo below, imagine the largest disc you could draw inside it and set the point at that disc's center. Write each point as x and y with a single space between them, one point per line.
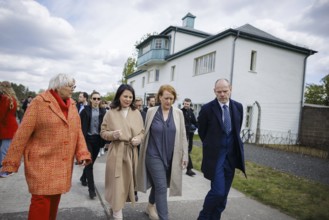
247 28
188 15
186 30
247 32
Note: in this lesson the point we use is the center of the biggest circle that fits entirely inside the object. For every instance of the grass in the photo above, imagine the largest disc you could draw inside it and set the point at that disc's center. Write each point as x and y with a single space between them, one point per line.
295 196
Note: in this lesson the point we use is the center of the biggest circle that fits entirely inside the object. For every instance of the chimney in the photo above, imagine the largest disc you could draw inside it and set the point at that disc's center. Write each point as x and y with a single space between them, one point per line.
188 20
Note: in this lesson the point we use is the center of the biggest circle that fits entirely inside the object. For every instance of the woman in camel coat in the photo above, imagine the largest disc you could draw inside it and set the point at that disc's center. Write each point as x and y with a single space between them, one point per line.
123 126
49 138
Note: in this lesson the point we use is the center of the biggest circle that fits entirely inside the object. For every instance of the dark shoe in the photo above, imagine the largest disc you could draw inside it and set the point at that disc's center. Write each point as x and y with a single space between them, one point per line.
136 197
83 181
92 194
190 173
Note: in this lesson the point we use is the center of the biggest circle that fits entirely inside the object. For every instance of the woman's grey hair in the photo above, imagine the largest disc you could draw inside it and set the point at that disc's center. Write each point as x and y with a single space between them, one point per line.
60 80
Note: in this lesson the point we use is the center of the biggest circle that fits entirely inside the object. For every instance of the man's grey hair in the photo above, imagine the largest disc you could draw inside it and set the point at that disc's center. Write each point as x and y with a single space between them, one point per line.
60 80
221 80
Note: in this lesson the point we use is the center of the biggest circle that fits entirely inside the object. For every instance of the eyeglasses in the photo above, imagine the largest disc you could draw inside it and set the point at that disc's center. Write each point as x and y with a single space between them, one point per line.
98 99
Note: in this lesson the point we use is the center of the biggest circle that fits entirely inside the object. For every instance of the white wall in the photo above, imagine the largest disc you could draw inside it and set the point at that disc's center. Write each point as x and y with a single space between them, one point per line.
276 84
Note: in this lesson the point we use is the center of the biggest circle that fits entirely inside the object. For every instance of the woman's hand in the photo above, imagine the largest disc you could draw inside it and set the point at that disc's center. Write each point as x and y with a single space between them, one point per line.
135 141
117 134
85 162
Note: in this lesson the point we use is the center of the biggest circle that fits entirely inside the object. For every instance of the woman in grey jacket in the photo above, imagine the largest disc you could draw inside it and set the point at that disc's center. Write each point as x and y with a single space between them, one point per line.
163 153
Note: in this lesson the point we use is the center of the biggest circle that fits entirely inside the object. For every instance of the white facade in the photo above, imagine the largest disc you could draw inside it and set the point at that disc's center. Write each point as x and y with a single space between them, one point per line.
276 80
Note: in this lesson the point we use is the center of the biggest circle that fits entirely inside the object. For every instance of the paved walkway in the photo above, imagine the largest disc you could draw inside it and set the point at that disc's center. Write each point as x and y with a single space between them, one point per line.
15 200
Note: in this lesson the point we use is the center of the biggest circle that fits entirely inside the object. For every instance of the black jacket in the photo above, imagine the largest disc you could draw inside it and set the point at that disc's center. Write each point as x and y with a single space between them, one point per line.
85 116
190 120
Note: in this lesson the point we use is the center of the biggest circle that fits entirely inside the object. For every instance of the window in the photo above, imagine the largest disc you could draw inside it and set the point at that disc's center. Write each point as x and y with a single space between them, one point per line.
143 81
172 75
166 46
248 116
132 83
157 75
205 64
146 48
150 76
158 43
253 60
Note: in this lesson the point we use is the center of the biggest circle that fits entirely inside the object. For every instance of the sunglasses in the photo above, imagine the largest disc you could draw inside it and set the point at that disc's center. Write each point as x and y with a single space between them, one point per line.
98 99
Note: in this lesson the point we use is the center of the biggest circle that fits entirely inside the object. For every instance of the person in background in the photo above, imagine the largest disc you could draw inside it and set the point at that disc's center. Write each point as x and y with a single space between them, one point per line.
103 105
82 101
219 126
27 103
150 102
91 119
139 106
163 153
190 126
8 122
123 126
49 138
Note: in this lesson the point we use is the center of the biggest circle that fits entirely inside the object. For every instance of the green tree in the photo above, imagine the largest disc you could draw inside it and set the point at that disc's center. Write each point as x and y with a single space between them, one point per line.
22 92
318 94
129 68
109 96
131 63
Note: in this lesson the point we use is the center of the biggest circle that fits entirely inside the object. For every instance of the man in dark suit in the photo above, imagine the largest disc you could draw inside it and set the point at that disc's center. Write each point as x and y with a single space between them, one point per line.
82 101
219 126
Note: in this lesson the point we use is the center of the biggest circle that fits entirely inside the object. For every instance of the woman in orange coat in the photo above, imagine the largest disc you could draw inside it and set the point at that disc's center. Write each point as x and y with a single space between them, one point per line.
49 137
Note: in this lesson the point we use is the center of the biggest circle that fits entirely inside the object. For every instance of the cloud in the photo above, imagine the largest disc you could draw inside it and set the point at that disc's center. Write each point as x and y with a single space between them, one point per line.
93 39
314 19
28 29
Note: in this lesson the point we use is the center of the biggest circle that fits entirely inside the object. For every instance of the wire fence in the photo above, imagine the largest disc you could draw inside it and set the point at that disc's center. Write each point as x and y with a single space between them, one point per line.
266 137
269 137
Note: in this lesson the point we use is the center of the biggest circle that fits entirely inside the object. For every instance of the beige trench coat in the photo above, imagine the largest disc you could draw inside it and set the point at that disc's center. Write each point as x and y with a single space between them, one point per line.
180 154
122 157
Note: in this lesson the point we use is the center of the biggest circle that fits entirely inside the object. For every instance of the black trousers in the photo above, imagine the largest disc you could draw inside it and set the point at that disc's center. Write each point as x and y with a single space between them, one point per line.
190 146
93 144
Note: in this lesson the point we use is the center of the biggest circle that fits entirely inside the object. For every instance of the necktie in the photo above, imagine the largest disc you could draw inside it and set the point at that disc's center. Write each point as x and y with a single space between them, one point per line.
227 119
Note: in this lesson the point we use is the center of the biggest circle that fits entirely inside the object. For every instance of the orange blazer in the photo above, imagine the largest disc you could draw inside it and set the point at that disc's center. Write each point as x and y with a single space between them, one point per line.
48 141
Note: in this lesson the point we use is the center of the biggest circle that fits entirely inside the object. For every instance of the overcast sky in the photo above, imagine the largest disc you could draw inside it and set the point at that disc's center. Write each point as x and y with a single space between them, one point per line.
92 39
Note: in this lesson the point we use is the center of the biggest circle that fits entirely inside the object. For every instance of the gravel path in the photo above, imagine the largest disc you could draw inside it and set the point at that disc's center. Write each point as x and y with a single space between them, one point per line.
297 164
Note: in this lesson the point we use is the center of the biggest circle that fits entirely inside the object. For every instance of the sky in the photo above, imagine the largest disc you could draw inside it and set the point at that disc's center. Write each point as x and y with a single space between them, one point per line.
92 39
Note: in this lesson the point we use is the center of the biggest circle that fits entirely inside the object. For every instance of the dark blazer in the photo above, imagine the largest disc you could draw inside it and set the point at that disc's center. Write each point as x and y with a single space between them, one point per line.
190 120
85 116
211 132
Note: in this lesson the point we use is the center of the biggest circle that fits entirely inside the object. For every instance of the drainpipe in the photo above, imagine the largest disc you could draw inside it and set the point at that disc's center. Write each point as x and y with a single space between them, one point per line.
173 46
302 95
233 56
258 123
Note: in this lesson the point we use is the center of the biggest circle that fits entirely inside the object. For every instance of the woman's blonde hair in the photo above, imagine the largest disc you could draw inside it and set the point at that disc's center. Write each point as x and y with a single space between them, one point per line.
7 90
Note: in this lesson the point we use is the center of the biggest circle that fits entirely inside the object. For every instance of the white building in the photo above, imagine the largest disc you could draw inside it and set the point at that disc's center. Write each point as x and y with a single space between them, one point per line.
267 74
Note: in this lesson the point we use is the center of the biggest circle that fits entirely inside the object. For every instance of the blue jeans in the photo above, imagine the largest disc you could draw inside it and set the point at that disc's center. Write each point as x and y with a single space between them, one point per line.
4 145
159 176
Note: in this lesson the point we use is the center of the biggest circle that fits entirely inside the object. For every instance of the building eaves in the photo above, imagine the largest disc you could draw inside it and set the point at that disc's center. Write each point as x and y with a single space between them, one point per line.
246 32
135 73
186 30
149 39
